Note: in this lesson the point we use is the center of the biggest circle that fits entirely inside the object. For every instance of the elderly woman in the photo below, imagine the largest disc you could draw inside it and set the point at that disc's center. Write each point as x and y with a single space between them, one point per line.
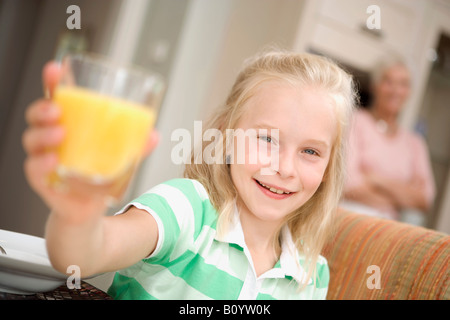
389 173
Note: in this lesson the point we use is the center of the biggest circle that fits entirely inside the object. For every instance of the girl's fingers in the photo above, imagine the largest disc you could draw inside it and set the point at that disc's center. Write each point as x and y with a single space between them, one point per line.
39 139
151 143
42 112
51 75
37 169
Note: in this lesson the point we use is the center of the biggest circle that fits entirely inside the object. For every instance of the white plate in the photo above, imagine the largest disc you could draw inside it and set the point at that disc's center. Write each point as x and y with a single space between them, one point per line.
26 269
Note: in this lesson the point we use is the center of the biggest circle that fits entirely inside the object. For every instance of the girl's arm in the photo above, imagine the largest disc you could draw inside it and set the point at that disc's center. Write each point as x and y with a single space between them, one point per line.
99 243
77 231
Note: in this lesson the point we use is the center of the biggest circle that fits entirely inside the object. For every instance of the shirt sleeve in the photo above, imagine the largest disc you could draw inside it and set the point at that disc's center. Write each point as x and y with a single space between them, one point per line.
322 279
422 167
174 205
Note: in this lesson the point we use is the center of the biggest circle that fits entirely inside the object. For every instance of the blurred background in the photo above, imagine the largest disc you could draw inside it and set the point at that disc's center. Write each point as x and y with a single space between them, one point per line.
199 46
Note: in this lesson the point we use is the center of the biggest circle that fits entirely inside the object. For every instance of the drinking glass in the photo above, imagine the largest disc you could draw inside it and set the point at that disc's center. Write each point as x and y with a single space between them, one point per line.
108 112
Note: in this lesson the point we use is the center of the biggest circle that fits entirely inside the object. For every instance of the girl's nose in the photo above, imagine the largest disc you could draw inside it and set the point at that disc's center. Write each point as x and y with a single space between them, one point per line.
287 164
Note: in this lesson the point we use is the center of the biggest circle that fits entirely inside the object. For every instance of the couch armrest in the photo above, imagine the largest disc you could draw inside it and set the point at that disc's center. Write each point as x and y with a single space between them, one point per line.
413 262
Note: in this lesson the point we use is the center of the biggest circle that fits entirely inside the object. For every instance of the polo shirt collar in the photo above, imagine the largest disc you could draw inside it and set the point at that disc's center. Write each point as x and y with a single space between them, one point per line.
289 262
290 258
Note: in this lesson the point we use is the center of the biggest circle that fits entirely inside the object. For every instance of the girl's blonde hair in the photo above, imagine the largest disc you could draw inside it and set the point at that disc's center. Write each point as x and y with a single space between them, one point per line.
310 224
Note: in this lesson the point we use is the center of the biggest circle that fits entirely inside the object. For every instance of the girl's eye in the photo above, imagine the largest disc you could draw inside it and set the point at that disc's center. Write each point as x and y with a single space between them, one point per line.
266 138
311 152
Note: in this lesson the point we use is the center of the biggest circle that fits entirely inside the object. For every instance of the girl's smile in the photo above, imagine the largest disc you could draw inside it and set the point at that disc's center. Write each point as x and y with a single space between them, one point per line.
274 192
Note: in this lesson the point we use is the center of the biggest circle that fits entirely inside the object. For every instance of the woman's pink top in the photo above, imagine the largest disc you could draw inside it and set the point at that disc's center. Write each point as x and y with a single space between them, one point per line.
403 156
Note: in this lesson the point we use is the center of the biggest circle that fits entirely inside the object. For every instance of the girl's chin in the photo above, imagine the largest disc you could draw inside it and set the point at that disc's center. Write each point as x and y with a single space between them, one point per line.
269 213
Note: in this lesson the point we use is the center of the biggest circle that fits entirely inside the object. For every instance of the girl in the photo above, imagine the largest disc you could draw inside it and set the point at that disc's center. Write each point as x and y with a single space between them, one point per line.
229 230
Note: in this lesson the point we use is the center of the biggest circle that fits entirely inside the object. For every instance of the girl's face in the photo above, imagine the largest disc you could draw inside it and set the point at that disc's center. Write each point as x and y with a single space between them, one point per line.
307 128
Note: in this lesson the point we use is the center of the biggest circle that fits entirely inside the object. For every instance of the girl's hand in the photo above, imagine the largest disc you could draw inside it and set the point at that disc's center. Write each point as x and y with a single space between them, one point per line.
41 138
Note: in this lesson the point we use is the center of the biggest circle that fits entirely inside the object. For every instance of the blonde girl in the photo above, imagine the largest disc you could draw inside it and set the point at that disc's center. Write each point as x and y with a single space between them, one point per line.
229 229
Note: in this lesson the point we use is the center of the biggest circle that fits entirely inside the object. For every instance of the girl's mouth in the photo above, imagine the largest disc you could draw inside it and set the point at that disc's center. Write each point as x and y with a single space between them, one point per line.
273 192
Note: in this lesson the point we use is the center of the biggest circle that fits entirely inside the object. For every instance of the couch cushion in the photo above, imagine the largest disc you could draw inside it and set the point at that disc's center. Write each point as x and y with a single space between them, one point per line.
413 262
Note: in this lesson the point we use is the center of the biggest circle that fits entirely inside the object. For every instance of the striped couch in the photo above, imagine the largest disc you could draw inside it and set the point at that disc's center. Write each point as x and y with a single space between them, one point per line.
373 258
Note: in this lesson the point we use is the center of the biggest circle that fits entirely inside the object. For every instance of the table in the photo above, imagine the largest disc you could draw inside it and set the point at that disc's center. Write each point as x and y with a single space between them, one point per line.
86 292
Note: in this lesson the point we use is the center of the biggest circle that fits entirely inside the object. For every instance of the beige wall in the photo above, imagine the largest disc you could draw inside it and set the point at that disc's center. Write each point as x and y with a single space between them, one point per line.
253 25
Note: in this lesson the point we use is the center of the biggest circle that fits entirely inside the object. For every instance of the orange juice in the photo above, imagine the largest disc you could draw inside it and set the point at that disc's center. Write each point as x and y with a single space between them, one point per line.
104 136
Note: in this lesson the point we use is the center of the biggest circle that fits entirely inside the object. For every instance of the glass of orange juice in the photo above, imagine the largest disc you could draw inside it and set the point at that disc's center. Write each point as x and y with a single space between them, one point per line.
108 112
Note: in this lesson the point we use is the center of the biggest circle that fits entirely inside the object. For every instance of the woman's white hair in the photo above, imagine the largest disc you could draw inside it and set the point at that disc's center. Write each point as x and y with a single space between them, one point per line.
385 63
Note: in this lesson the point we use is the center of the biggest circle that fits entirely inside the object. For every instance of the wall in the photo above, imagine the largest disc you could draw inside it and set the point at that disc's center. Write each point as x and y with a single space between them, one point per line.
17 20
254 25
434 118
160 35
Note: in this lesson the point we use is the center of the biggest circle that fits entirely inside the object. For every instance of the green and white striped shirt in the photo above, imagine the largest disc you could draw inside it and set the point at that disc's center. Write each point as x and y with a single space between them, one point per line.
191 261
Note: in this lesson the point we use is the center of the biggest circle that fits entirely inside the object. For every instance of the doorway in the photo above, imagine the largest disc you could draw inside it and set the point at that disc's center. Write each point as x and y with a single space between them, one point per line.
434 123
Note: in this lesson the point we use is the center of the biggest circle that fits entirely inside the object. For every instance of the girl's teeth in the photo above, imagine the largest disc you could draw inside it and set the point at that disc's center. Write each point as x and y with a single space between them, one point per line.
274 190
